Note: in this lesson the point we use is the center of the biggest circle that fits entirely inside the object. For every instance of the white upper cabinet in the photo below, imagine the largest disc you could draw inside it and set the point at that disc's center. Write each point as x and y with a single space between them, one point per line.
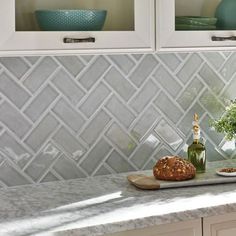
129 27
175 33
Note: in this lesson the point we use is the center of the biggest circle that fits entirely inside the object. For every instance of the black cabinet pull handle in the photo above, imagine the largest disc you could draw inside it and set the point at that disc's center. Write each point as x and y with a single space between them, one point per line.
79 40
231 38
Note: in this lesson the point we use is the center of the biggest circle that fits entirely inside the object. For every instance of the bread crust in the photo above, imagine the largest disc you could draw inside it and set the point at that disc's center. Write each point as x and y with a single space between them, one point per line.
174 168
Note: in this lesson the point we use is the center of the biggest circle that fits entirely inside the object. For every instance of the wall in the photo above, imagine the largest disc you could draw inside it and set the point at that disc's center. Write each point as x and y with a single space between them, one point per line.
76 116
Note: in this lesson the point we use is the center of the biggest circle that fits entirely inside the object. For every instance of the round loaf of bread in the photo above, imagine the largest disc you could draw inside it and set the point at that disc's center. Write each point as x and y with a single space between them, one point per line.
174 168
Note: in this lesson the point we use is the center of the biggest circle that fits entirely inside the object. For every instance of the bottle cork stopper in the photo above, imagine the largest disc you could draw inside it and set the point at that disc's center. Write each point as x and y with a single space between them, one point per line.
196 127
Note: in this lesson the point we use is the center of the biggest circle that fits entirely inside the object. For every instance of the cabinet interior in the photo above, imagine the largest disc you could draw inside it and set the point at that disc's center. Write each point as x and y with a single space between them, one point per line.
199 8
120 13
196 7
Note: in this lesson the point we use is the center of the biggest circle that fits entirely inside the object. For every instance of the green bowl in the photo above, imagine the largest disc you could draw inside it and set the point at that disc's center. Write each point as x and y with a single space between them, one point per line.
194 27
195 20
71 20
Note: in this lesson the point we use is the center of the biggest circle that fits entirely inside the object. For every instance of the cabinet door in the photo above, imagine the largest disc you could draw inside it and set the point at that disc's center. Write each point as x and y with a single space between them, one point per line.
187 228
171 38
223 225
129 27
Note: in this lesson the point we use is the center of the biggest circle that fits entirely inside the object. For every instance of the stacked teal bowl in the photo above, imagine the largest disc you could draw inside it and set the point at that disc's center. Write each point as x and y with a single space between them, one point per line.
71 20
195 23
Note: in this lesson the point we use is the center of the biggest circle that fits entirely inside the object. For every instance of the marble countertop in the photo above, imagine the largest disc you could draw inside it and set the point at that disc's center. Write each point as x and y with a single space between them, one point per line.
105 204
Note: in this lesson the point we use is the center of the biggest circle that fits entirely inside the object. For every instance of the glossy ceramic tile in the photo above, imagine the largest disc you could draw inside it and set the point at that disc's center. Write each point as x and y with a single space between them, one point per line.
109 113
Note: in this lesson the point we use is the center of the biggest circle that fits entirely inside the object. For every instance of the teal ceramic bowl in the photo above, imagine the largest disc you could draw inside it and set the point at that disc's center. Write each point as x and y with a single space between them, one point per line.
71 20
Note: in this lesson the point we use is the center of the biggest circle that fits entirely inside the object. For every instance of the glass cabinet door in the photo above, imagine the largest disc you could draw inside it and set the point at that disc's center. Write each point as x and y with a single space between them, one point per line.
196 24
120 14
82 25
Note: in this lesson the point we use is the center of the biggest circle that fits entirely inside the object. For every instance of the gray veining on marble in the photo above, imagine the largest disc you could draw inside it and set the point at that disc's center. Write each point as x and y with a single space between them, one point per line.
104 204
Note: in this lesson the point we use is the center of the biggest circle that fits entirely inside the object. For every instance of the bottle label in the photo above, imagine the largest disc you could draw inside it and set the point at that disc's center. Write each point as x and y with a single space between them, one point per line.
196 135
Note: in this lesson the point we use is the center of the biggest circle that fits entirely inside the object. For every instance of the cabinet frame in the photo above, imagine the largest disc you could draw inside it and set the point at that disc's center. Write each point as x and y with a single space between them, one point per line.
168 39
213 225
142 39
190 228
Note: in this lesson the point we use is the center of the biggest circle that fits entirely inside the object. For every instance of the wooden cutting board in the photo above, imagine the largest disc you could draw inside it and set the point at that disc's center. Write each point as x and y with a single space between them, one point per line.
144 182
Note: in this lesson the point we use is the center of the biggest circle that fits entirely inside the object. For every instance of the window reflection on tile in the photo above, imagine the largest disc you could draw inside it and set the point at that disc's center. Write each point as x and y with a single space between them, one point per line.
164 130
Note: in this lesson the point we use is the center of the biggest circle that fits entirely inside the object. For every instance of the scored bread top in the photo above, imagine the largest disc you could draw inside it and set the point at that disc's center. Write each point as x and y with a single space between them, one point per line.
173 168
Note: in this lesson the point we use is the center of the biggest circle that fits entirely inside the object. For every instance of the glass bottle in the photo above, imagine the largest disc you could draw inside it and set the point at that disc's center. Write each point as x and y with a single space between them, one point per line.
197 150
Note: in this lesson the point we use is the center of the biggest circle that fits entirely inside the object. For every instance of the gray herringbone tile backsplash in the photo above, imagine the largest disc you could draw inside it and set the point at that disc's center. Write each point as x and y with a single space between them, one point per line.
77 116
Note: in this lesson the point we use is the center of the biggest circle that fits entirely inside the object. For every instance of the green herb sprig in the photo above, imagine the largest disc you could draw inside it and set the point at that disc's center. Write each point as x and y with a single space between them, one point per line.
227 122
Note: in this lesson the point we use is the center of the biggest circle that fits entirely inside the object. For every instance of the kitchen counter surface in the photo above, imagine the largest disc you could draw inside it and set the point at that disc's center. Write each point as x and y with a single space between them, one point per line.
105 204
